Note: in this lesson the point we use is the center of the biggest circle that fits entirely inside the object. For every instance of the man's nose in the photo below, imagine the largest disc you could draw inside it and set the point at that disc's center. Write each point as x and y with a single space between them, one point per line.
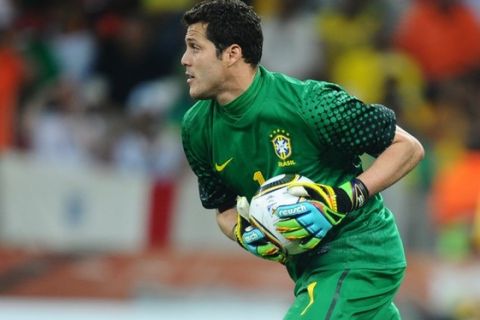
184 60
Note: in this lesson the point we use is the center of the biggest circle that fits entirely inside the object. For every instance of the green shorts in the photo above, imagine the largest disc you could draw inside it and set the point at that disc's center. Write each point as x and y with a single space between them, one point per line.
347 294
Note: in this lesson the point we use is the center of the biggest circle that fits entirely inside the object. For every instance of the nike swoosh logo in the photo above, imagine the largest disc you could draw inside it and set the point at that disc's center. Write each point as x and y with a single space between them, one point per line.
221 167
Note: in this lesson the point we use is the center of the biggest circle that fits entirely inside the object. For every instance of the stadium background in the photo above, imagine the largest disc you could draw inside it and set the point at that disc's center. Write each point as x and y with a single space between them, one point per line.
99 213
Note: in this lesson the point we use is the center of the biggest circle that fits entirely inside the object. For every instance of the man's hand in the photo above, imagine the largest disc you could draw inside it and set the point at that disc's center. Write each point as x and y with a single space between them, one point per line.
326 207
253 239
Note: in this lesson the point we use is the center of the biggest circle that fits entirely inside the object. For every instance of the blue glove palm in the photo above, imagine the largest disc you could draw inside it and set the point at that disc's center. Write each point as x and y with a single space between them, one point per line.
255 242
304 221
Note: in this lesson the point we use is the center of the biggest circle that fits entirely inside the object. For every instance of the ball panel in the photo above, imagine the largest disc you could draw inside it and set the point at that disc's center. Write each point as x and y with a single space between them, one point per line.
277 182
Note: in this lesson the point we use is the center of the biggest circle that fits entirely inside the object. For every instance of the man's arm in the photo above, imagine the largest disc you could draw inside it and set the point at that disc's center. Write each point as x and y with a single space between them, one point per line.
331 204
393 163
226 221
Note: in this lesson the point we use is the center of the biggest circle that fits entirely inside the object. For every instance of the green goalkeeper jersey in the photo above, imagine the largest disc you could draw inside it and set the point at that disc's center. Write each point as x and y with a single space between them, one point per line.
314 128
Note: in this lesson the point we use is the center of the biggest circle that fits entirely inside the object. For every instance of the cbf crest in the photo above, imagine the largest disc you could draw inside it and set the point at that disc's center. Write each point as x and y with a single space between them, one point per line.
282 145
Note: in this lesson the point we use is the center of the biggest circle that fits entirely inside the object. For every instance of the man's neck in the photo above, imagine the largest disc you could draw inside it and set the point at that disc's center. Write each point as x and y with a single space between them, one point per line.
235 85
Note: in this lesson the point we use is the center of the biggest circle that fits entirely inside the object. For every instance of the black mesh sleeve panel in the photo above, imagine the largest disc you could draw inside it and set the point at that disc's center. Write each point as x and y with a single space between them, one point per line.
213 193
345 123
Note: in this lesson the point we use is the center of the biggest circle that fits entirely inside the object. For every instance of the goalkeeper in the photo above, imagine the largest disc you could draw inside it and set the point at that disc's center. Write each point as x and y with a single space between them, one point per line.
250 124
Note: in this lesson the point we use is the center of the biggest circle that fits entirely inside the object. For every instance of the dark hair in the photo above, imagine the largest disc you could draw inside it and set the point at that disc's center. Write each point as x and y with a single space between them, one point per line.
229 22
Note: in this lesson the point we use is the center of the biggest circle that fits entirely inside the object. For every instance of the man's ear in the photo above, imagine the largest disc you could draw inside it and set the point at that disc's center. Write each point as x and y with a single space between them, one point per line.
232 54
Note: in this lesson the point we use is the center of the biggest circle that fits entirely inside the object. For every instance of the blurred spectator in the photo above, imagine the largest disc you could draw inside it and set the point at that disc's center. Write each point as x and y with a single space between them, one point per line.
147 144
475 5
33 23
348 24
377 73
87 57
59 129
11 78
166 5
443 36
7 13
456 202
72 44
291 44
265 8
132 56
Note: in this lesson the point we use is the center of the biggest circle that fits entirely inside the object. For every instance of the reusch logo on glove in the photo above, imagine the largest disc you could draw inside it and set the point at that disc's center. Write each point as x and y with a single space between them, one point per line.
294 210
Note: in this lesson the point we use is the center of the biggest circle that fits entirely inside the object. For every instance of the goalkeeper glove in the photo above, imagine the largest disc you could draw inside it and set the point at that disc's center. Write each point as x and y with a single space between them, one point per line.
326 207
253 239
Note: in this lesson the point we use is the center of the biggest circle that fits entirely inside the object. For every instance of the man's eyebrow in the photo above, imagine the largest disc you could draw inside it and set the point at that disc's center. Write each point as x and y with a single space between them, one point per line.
190 38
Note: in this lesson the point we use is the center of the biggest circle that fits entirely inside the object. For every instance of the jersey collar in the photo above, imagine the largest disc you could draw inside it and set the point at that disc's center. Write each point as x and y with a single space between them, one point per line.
236 108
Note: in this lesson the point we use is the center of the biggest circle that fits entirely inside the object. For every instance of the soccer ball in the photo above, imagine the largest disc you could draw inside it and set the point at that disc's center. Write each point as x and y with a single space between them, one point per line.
271 194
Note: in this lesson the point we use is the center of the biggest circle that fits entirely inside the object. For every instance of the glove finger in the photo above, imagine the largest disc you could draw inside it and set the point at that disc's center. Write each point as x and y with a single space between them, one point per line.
298 191
243 207
310 244
268 249
278 258
309 188
288 225
293 210
315 191
252 235
332 216
261 250
296 234
296 230
315 223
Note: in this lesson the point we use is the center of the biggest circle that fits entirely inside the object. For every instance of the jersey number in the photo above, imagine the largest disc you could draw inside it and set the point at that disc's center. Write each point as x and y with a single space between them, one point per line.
258 177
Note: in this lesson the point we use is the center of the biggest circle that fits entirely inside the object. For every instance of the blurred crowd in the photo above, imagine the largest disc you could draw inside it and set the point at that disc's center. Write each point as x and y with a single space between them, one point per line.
85 82
99 82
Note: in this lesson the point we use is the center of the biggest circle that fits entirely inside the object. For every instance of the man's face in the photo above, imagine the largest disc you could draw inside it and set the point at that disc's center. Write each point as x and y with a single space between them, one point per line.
205 71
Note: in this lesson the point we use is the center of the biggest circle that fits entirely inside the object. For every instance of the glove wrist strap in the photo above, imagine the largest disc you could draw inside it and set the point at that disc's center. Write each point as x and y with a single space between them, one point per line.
353 195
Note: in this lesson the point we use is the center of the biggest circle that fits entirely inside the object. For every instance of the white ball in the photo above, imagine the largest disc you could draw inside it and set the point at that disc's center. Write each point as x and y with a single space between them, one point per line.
273 193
